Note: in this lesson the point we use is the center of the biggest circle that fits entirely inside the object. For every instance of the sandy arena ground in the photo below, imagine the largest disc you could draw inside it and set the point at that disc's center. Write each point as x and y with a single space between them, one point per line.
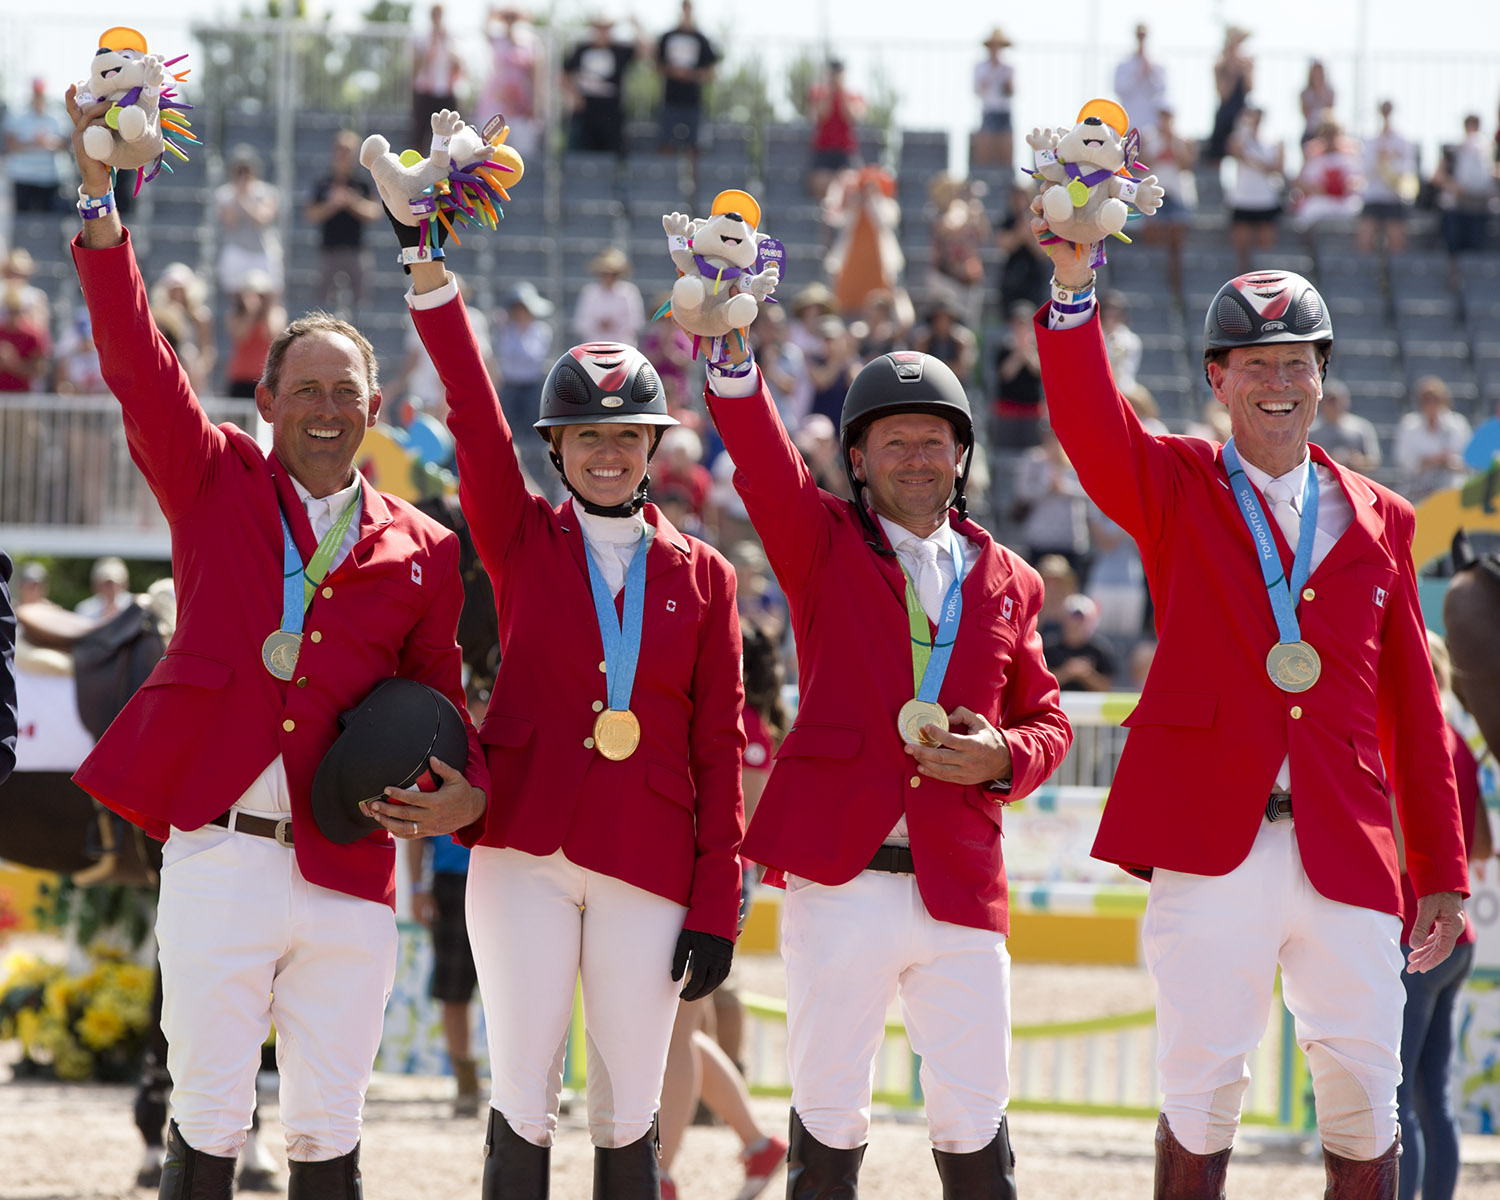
65 1142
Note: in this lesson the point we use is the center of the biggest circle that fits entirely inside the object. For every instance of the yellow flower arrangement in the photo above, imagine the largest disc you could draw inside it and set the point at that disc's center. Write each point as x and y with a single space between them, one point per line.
75 1027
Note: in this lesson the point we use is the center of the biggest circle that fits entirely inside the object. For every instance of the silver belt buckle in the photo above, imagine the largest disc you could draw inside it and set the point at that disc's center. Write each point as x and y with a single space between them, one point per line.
284 832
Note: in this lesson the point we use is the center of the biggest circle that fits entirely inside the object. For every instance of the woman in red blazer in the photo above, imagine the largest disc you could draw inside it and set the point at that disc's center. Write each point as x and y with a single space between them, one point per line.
617 812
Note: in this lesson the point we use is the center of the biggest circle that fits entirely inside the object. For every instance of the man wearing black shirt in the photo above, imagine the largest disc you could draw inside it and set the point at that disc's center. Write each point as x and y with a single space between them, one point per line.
686 59
1082 658
594 74
342 204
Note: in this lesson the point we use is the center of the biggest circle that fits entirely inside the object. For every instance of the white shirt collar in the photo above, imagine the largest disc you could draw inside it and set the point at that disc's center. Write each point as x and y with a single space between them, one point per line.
611 531
1297 476
334 502
899 534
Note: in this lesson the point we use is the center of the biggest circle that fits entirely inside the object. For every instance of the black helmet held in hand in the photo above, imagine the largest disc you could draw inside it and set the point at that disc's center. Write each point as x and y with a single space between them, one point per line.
603 383
1260 308
386 742
905 381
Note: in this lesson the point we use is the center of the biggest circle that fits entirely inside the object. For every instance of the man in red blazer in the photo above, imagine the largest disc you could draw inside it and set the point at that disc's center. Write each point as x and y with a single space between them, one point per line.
883 812
1290 691
262 919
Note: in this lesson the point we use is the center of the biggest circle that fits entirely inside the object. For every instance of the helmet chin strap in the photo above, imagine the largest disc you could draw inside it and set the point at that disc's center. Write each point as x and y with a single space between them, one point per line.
636 503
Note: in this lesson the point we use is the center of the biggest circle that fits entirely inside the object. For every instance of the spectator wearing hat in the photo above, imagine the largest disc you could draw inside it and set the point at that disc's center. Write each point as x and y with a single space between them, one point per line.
10 724
808 307
594 80
995 85
834 112
609 307
33 140
245 209
686 59
1141 84
109 581
17 269
263 916
341 205
1081 657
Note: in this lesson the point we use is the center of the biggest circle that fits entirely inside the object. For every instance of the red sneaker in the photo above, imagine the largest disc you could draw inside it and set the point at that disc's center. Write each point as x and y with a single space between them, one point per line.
760 1168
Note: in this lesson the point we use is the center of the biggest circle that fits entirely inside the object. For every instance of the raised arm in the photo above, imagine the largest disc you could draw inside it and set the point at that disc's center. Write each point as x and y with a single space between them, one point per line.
171 438
491 487
779 492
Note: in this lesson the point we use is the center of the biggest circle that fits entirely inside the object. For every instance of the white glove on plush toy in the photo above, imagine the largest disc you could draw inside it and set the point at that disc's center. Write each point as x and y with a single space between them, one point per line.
726 267
1088 191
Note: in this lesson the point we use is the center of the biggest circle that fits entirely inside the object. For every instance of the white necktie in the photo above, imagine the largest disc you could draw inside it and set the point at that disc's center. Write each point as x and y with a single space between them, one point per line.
928 578
1280 492
319 516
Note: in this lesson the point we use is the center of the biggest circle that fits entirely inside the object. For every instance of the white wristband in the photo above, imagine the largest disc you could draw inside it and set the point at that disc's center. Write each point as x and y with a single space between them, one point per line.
1128 190
440 143
1073 295
1045 158
676 242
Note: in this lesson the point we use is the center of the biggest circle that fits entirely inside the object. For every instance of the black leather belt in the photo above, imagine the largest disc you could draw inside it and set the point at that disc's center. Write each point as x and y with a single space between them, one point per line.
895 859
266 827
1279 807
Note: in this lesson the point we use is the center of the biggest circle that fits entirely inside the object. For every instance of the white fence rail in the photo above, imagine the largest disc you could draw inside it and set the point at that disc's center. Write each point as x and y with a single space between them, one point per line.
67 483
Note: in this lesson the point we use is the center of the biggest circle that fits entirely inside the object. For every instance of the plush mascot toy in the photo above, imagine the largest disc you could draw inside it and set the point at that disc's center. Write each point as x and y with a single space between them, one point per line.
463 179
1088 189
145 121
726 268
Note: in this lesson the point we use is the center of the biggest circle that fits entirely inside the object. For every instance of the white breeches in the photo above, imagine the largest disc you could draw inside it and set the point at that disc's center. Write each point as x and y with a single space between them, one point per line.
537 923
848 951
246 941
1213 943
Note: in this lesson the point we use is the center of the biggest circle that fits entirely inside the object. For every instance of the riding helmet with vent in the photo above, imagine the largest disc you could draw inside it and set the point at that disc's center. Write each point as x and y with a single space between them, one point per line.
603 383
1265 307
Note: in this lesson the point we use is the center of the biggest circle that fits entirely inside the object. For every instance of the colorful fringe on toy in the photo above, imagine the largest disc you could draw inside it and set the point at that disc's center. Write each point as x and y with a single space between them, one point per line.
176 129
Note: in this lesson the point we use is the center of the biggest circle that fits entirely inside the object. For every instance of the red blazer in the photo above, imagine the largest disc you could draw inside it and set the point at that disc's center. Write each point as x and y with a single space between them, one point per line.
670 817
211 717
1210 731
842 776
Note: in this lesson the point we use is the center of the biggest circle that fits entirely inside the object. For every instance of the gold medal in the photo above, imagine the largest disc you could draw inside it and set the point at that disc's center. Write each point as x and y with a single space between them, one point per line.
279 653
1293 666
1078 193
617 733
914 715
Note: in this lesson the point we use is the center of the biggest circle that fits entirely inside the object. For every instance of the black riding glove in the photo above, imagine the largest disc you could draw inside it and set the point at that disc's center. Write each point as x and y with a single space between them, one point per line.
711 958
410 237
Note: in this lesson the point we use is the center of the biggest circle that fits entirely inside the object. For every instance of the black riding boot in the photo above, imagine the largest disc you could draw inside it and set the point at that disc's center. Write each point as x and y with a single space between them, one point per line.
190 1174
630 1172
330 1179
818 1172
987 1174
514 1169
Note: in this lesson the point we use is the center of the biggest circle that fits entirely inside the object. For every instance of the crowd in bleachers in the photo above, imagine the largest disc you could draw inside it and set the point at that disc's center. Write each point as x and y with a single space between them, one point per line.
884 249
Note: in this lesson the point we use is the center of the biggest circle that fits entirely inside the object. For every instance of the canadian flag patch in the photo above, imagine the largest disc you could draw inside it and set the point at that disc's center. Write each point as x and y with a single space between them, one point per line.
1379 597
416 573
1008 608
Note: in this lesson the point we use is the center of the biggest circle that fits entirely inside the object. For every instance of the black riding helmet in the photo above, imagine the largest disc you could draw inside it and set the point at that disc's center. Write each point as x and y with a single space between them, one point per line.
386 742
1265 307
906 381
603 383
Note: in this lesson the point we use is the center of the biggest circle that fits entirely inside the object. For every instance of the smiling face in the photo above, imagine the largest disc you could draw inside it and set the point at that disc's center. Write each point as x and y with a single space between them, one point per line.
320 408
1092 141
605 463
1272 393
728 236
908 464
116 71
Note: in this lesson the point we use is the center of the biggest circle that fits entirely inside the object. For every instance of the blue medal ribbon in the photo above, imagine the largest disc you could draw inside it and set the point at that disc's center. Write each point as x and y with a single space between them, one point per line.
622 639
940 649
1284 593
293 589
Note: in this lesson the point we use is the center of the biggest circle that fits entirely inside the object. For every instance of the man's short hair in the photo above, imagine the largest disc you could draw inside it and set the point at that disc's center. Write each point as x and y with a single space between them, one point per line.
317 322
